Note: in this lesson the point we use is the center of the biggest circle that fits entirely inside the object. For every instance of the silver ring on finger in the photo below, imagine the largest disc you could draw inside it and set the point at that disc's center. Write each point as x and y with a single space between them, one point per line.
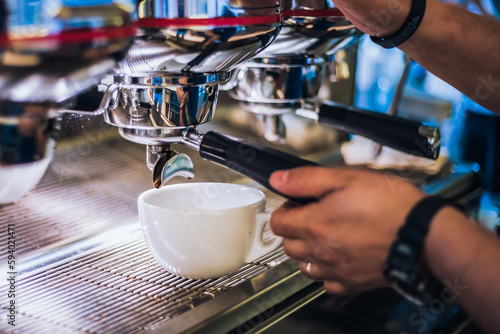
308 269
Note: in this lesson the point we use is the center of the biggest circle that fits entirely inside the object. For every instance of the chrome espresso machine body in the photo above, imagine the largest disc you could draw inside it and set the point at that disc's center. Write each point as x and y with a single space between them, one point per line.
168 83
46 60
83 264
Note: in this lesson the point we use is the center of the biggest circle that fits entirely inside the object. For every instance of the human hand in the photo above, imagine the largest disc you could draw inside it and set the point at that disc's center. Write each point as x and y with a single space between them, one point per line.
347 233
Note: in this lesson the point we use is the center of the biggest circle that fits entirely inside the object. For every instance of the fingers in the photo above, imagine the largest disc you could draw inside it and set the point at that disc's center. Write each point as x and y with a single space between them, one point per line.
290 221
336 288
317 273
296 248
309 181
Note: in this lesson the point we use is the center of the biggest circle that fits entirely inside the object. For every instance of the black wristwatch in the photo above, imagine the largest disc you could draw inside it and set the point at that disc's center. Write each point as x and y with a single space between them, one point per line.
404 267
408 28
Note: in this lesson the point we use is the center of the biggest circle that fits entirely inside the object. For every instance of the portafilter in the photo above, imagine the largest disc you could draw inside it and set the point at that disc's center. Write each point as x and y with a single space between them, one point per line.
286 78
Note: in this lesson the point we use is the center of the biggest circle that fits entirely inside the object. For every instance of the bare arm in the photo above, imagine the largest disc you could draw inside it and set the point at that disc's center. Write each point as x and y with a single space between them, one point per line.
468 258
461 48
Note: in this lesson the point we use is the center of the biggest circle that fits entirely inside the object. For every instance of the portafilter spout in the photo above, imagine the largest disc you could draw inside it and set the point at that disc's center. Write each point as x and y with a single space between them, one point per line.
167 163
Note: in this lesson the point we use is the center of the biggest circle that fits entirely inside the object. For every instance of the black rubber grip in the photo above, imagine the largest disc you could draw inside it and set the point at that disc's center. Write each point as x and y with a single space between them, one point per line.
399 133
254 161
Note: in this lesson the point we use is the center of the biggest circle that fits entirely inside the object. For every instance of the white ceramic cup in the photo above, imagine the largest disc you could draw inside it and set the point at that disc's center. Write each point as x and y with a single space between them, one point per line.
205 230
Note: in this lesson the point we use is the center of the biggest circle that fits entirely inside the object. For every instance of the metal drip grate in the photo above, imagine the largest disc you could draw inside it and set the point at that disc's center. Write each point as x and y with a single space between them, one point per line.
86 189
94 273
115 287
77 196
118 289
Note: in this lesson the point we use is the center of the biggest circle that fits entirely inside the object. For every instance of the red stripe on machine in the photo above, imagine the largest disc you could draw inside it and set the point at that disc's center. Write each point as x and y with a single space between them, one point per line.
313 13
217 21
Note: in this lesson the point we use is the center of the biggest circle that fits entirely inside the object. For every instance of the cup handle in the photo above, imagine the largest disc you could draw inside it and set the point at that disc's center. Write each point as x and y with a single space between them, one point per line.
258 248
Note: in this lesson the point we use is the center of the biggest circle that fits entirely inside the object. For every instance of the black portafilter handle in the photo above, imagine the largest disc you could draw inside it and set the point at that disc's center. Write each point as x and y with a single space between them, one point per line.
399 133
252 160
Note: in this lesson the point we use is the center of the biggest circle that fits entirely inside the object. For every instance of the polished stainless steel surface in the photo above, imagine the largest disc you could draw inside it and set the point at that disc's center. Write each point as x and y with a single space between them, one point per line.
155 152
56 49
51 52
83 263
156 108
433 135
291 69
85 266
200 37
156 102
51 81
170 77
160 136
312 37
174 9
273 127
275 89
116 287
177 165
202 50
312 29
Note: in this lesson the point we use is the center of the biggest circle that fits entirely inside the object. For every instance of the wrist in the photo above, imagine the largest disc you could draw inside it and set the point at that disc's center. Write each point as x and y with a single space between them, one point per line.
446 232
388 20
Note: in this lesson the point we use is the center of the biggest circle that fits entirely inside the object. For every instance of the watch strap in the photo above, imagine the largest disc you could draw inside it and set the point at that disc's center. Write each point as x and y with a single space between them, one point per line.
408 28
404 266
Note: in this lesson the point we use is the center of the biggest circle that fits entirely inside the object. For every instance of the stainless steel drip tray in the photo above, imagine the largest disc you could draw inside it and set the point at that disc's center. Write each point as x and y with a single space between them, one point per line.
109 283
85 267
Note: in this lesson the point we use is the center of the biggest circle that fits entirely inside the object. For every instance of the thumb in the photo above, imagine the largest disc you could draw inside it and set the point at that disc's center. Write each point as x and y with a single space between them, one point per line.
309 181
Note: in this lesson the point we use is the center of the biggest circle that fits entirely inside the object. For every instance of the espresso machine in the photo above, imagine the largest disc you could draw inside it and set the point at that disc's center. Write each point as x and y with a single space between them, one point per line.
168 83
83 263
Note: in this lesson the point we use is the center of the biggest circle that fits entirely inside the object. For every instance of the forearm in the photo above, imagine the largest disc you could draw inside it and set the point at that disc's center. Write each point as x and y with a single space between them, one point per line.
467 257
461 48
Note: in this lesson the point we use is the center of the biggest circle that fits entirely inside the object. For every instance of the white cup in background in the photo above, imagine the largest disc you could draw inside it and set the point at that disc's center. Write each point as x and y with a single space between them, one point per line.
204 230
